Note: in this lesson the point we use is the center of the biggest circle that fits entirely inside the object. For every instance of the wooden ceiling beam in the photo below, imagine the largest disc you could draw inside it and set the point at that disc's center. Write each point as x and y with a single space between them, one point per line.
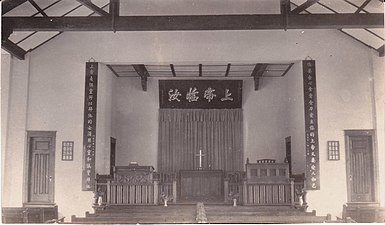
114 7
13 49
173 70
8 5
285 11
143 73
196 22
257 74
93 7
304 6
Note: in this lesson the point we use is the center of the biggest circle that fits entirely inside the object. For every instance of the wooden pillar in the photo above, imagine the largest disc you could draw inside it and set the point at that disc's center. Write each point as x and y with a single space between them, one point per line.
156 192
226 189
108 192
245 193
292 192
174 190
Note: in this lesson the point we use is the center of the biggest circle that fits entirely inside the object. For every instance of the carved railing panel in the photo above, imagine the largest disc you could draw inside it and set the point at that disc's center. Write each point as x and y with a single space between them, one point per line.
268 183
131 185
268 194
130 194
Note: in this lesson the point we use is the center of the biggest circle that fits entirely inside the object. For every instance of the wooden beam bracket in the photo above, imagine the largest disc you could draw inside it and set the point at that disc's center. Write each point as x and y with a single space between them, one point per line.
13 49
143 73
144 83
381 51
257 73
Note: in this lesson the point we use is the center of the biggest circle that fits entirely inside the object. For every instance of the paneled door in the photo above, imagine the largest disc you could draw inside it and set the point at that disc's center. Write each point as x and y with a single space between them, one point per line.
41 164
360 167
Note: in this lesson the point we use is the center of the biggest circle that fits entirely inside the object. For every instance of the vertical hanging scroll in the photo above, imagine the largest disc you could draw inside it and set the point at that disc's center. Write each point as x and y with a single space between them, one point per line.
89 129
311 125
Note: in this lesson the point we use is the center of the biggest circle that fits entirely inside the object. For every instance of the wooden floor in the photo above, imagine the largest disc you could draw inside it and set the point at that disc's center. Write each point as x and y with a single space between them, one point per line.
187 213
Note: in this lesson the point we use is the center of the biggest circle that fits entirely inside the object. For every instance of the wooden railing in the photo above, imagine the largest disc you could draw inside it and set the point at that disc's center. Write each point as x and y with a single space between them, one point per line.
135 187
268 194
260 184
131 194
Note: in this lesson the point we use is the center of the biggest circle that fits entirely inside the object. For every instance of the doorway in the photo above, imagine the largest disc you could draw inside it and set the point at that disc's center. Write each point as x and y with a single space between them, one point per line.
288 152
40 168
360 166
112 155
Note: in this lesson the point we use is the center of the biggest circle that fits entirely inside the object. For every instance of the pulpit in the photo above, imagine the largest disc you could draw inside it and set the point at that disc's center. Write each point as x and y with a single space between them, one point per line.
132 185
201 185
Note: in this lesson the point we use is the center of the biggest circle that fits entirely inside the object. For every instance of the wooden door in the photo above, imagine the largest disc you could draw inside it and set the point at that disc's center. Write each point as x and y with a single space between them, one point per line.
360 168
41 168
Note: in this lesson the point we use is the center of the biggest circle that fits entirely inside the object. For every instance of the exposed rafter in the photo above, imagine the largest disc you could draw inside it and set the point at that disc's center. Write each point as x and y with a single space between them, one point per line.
304 6
173 70
13 49
228 70
37 7
143 73
257 73
8 5
362 6
366 29
197 22
93 7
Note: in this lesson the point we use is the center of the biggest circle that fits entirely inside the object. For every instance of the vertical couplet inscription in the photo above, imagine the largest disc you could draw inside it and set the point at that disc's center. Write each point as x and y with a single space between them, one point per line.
89 128
311 125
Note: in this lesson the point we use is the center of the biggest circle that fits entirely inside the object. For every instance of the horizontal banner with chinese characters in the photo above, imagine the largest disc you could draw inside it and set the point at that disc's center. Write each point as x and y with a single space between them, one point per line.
200 94
89 128
311 125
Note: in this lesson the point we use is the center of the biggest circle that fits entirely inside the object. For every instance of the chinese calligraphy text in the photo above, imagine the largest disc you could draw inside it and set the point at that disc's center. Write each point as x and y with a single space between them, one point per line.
311 125
89 128
200 94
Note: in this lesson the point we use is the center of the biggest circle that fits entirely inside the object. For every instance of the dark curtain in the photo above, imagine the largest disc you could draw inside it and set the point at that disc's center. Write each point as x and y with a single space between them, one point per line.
217 132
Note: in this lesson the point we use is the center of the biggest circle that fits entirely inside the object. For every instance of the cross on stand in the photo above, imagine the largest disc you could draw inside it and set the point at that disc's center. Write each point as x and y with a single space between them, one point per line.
200 155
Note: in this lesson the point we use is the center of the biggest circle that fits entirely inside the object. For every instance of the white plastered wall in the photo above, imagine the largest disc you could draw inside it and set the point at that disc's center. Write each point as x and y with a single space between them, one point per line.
56 95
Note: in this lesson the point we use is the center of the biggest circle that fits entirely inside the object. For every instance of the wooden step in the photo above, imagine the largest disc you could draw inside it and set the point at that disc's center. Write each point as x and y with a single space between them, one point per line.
265 219
188 213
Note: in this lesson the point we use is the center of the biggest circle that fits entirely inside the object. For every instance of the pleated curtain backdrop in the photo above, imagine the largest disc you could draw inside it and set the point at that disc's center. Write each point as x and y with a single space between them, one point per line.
217 132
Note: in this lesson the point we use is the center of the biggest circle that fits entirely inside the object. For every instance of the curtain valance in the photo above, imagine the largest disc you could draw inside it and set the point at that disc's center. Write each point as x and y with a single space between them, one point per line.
168 115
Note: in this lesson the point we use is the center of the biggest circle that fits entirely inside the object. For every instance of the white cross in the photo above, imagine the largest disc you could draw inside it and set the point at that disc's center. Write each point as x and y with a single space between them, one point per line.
200 158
